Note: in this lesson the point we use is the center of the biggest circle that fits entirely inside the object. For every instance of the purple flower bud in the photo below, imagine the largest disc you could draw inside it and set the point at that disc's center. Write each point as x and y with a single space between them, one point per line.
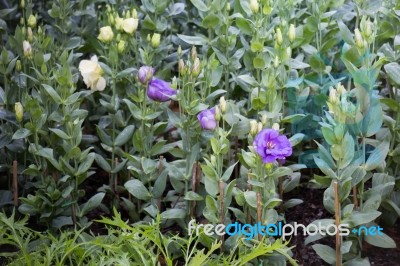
159 90
271 146
207 119
145 74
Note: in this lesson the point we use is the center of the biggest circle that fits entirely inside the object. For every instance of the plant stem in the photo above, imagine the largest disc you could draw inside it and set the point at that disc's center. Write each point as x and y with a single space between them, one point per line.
15 182
337 222
259 218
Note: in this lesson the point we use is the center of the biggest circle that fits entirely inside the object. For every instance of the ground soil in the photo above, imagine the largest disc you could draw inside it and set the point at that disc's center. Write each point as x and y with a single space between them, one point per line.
313 209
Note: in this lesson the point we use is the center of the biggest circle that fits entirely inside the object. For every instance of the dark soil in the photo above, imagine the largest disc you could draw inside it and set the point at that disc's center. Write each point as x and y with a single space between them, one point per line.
312 209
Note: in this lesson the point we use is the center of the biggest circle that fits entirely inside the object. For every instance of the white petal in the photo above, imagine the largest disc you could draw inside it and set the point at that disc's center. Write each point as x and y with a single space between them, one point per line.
101 84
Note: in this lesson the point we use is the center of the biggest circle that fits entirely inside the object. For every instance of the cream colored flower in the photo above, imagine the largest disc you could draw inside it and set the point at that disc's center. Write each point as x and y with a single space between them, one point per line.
27 49
92 74
292 33
130 25
106 34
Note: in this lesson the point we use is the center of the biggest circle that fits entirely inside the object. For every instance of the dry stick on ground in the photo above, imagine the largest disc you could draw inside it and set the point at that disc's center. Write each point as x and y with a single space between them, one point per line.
249 187
15 182
221 205
259 212
337 222
355 200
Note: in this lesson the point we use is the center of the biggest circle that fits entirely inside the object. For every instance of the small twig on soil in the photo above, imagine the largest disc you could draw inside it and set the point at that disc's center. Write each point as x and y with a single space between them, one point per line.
15 182
355 200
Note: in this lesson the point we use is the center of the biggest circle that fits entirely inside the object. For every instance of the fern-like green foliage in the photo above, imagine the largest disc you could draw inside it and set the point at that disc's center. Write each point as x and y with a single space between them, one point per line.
125 244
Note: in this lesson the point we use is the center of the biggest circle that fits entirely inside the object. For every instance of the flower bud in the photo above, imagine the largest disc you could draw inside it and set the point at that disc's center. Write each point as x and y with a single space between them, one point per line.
276 62
106 34
145 74
181 67
134 13
119 23
111 19
264 119
292 33
196 67
22 21
278 37
253 127
19 112
358 39
254 6
222 104
32 21
29 35
39 30
340 89
289 52
18 66
275 126
228 6
108 8
121 46
268 166
217 113
368 29
148 38
194 53
128 14
179 51
27 49
155 40
43 69
22 4
333 98
259 127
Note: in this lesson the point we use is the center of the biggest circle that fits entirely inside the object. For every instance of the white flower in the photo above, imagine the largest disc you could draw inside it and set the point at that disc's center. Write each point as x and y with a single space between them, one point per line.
106 34
27 48
130 25
92 74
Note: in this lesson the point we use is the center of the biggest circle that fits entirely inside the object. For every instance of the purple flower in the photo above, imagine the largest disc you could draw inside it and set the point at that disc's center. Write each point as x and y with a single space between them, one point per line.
207 119
145 74
159 90
271 146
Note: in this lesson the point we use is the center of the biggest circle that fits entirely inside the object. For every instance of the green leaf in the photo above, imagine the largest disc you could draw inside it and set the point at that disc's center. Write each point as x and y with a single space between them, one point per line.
137 189
382 241
200 5
393 71
346 34
124 136
228 172
92 203
173 214
102 163
326 253
48 154
160 184
324 167
191 195
60 133
21 133
193 40
296 139
281 171
211 21
358 218
86 164
377 156
251 198
125 72
52 93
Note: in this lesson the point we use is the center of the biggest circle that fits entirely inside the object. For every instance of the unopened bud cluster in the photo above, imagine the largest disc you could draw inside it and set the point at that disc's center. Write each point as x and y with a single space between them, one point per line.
192 67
